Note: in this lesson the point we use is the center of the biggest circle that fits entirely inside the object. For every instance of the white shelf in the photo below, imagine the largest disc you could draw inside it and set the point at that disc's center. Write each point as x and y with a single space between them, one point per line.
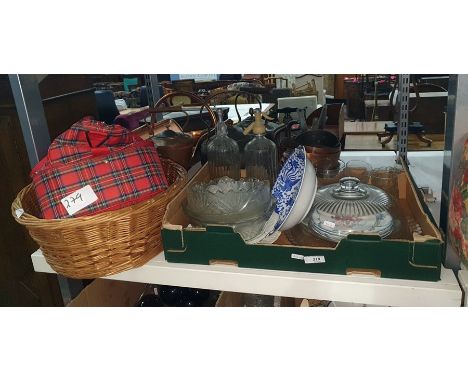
355 289
426 168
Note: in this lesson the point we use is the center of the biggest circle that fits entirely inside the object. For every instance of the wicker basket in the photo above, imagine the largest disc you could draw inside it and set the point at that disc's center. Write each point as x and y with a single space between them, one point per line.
103 244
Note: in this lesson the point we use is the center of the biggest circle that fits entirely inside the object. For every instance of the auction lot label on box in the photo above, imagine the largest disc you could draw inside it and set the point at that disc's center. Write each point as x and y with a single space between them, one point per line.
314 259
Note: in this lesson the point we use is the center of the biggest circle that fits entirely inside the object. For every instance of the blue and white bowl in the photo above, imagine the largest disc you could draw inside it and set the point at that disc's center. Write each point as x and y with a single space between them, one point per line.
294 190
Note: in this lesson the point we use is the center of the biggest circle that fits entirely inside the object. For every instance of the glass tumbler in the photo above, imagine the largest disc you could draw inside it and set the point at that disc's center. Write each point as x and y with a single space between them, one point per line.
386 179
358 169
327 174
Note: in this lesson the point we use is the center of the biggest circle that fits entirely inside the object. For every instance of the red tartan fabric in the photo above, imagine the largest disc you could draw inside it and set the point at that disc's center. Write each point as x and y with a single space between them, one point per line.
121 168
75 143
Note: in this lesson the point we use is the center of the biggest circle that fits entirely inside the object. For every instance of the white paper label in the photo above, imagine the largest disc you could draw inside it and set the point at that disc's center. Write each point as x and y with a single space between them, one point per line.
19 212
79 199
328 224
296 256
314 259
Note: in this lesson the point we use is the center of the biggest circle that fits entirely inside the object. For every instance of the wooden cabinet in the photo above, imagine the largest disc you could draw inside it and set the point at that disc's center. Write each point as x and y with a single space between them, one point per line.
340 85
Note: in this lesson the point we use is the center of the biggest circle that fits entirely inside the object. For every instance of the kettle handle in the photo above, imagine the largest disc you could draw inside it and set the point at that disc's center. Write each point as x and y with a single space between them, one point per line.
164 104
170 109
286 128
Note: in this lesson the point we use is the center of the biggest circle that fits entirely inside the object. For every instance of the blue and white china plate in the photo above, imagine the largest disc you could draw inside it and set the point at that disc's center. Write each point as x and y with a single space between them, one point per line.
288 184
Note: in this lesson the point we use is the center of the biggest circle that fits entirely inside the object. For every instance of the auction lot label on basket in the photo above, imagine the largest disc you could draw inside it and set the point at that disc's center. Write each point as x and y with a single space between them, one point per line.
79 199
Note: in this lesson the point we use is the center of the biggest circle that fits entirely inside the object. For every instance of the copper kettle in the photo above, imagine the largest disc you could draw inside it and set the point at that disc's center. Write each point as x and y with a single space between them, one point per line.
174 145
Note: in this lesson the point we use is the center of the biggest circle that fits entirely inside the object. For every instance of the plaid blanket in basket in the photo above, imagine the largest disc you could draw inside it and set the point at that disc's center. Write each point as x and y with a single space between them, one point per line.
93 167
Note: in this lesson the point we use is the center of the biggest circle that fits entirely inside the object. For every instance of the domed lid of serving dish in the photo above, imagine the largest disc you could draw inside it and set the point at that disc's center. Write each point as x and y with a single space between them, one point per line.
348 206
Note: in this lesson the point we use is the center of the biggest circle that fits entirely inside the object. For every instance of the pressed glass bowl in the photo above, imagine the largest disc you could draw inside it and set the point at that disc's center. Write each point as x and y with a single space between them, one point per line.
244 204
226 200
248 228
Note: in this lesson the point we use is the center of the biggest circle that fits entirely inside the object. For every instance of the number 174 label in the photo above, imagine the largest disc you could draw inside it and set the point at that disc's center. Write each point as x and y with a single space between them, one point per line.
79 199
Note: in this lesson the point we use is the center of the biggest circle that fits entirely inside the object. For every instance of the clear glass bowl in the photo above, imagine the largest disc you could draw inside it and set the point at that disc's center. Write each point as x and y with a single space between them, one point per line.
245 205
226 200
248 228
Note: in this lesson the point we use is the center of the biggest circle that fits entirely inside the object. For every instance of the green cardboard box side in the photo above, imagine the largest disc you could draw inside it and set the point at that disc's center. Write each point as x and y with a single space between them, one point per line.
401 259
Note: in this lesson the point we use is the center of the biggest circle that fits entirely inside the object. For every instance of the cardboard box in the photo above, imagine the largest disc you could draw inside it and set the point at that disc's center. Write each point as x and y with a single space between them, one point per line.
234 299
407 254
107 293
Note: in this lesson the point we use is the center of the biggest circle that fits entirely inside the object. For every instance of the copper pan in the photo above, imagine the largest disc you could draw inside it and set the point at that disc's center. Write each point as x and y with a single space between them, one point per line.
323 158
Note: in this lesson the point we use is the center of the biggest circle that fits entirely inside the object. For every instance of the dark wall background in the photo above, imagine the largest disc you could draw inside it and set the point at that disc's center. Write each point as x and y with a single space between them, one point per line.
66 98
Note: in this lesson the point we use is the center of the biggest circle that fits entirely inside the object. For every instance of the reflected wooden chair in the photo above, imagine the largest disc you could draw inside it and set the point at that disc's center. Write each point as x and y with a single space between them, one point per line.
272 82
422 114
